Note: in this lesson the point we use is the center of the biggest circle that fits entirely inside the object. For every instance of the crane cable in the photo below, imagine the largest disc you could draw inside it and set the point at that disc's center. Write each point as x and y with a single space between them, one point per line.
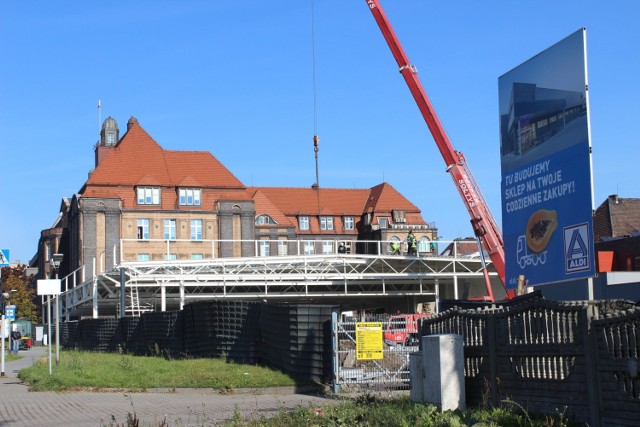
316 138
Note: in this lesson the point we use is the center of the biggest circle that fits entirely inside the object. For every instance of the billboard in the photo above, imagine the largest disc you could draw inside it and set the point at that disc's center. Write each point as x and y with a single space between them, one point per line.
545 154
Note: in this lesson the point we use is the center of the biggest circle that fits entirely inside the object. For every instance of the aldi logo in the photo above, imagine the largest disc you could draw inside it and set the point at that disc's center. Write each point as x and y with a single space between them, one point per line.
576 250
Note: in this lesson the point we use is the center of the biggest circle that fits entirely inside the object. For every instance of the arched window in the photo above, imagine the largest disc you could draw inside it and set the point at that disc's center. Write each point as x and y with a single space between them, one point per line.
264 219
423 244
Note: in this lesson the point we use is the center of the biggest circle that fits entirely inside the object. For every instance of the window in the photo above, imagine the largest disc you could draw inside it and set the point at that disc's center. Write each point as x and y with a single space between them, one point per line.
383 222
303 222
399 216
197 256
143 229
349 223
170 257
143 257
327 247
264 247
170 229
148 196
110 139
326 223
189 196
264 219
282 248
196 229
309 247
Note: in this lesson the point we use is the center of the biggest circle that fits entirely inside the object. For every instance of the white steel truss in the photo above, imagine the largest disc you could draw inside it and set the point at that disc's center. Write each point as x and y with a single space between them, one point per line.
166 285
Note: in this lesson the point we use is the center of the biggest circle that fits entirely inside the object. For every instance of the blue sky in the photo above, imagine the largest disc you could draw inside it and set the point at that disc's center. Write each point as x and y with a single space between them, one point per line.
236 78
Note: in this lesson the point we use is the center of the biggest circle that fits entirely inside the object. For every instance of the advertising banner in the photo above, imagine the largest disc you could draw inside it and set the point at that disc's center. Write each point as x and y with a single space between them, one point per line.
545 153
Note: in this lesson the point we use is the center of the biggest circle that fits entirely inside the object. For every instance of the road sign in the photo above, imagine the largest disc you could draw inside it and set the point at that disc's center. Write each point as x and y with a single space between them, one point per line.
10 313
4 257
49 286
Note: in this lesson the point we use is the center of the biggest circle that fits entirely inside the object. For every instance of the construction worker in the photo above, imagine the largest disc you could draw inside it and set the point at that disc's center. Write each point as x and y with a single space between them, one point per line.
412 243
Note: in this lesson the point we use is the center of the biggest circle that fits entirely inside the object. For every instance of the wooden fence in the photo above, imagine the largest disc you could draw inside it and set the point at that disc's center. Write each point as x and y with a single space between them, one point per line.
579 359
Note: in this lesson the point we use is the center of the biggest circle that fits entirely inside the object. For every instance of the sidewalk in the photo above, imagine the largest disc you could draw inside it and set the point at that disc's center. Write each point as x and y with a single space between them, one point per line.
184 407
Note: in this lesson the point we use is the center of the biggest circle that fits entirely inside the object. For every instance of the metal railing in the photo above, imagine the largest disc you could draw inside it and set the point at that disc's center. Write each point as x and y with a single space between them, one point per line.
175 249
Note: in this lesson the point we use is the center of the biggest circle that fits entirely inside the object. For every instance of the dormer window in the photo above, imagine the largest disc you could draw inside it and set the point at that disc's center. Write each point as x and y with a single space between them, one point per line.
148 196
303 222
349 223
326 223
264 219
399 216
189 196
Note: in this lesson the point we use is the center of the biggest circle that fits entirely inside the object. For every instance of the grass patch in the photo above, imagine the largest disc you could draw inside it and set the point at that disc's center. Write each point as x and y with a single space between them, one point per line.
11 357
81 369
371 411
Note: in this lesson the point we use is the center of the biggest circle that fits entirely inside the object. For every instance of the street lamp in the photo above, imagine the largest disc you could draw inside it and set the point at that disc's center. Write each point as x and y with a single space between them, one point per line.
3 296
56 260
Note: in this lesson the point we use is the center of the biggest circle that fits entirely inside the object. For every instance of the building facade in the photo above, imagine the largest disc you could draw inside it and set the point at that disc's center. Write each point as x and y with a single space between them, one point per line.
144 203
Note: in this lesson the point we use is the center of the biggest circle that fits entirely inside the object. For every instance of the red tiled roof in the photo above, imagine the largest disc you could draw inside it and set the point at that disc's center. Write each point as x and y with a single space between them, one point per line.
294 201
616 217
264 206
138 160
385 198
339 202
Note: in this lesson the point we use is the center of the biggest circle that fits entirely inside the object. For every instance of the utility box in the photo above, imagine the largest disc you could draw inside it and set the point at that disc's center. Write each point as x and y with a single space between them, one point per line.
443 370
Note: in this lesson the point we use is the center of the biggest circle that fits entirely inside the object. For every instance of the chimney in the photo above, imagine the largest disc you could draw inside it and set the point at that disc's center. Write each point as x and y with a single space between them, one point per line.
131 122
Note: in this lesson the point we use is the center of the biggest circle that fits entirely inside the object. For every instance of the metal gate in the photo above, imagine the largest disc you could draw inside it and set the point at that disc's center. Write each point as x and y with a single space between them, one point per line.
389 373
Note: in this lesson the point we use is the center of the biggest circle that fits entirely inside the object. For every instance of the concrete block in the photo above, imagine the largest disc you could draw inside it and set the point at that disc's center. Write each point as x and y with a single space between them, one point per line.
417 377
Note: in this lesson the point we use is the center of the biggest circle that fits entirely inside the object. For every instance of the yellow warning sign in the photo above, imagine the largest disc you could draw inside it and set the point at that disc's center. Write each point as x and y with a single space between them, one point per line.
369 344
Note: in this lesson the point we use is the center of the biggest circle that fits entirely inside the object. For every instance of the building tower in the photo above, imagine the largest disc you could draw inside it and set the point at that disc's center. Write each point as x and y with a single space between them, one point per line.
109 136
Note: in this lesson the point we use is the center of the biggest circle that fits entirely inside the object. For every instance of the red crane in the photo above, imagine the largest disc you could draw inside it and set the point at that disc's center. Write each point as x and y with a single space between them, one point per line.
483 223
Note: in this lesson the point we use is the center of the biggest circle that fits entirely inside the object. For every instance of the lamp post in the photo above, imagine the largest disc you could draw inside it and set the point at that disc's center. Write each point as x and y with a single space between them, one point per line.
3 296
56 260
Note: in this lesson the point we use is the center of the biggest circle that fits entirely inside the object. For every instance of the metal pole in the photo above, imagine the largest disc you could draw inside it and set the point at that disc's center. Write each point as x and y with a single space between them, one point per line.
123 290
334 352
2 374
57 330
49 328
57 326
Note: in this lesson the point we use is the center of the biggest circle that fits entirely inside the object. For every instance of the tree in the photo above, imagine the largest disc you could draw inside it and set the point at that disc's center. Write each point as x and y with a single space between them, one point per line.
16 278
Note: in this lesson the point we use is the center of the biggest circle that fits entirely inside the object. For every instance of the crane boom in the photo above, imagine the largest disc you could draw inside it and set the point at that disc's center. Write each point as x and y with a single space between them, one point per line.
482 221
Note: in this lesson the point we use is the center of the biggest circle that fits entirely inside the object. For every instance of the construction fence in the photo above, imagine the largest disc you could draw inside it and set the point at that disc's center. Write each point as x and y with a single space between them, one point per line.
579 359
388 371
293 338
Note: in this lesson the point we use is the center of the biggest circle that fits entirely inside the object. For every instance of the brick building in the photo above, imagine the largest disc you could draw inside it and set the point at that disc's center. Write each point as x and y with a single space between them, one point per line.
145 203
